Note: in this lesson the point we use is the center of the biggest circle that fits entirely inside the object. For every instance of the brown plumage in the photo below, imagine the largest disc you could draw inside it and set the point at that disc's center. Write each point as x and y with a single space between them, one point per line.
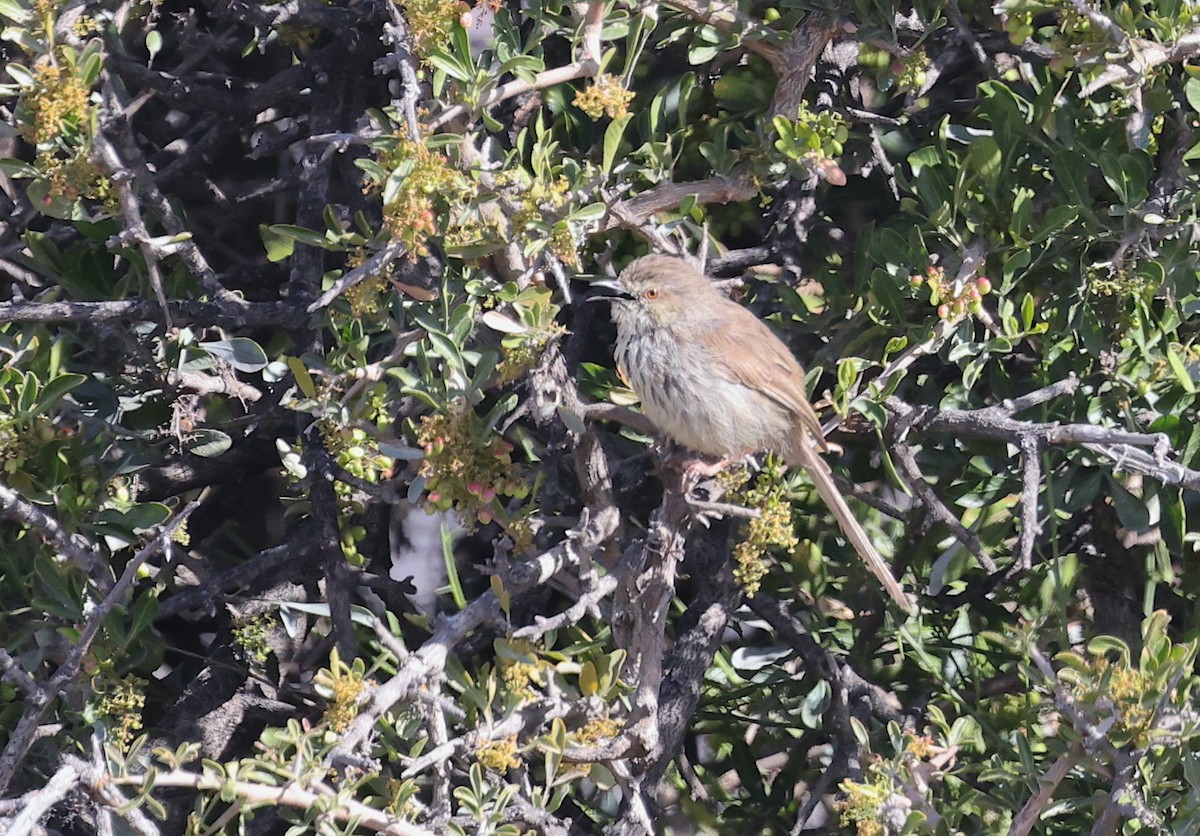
716 379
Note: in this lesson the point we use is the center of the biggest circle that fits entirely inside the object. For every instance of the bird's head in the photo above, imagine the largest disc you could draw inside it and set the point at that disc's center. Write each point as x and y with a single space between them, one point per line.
653 291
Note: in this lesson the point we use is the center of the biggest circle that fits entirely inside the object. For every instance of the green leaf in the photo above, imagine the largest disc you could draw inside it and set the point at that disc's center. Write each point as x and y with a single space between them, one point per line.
1131 511
445 348
395 450
847 373
207 443
89 70
815 704
1056 219
591 212
571 420
521 63
27 393
985 159
451 66
1174 518
243 353
1192 91
612 142
15 11
303 379
144 611
142 517
503 323
887 293
18 168
875 413
154 43
21 75
301 234
1180 371
589 683
455 585
54 391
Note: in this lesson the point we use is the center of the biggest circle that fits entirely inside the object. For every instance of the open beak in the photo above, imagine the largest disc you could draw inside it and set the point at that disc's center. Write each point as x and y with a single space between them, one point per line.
606 290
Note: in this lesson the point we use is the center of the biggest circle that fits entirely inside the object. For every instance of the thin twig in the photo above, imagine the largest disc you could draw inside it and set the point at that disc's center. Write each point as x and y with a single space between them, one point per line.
24 732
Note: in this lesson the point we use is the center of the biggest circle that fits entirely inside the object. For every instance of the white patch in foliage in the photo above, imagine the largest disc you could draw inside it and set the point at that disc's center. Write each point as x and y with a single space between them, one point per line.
416 538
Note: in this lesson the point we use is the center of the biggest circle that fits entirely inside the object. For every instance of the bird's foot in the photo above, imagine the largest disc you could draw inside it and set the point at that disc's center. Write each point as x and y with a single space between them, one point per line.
701 493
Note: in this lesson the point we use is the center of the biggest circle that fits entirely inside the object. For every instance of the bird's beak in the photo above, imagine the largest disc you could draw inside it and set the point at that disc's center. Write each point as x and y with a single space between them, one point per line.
606 290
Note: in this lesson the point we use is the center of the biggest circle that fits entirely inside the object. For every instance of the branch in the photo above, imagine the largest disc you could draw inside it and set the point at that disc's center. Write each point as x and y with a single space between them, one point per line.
239 315
117 123
793 66
39 803
296 550
12 672
595 526
881 702
914 480
1024 821
996 422
1144 56
735 187
1031 487
373 266
320 796
729 19
588 63
74 546
25 731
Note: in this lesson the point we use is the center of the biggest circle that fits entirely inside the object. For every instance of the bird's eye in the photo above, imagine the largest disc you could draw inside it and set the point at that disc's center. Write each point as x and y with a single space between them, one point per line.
651 293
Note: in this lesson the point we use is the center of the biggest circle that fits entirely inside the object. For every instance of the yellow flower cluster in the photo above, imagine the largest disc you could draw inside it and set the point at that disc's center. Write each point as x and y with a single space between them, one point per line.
365 297
75 177
59 101
607 95
431 22
519 676
121 701
464 469
342 685
597 730
1127 690
500 755
876 807
411 215
913 74
251 636
771 531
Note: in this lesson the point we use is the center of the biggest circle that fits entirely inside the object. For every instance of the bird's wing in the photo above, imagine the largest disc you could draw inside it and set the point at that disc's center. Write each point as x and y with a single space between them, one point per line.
757 359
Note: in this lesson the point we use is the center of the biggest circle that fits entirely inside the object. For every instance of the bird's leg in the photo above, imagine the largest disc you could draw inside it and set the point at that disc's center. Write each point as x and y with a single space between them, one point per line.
695 470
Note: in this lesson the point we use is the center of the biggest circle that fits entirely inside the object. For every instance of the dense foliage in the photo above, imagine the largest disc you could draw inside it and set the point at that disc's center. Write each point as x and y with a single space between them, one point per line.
325 511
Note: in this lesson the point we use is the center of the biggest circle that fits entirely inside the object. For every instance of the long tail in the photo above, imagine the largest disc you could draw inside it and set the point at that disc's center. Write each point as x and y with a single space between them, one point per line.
822 478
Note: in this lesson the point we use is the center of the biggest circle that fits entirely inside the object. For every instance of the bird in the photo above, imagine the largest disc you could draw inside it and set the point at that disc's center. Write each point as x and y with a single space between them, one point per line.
716 379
